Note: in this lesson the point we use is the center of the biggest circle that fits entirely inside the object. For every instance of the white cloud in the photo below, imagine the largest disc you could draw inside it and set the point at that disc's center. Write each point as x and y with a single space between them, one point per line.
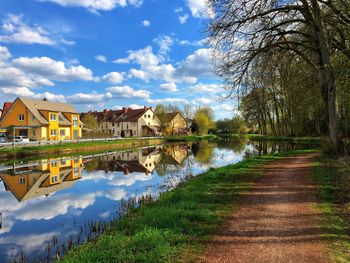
195 43
183 19
164 42
128 92
89 98
116 194
96 5
68 42
146 23
168 86
101 58
204 100
206 88
15 30
168 101
113 77
197 64
4 53
200 8
52 69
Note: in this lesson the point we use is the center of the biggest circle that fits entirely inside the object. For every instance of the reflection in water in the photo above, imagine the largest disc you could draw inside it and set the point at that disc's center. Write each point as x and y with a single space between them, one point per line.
51 202
43 179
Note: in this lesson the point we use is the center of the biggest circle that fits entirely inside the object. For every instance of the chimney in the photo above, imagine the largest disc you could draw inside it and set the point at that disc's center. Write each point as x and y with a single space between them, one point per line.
125 110
105 111
144 108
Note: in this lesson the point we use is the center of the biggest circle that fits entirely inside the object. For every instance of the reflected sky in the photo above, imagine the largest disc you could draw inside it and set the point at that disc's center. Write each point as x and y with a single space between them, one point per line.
54 200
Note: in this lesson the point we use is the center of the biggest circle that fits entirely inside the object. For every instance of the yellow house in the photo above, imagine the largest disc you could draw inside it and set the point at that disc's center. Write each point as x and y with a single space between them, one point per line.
174 124
42 120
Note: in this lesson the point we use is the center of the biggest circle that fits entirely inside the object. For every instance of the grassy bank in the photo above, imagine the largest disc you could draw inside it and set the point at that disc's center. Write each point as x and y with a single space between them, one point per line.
176 226
191 137
333 179
308 140
73 148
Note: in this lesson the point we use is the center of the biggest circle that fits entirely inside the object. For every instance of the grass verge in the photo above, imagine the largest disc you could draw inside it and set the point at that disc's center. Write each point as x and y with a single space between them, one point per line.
176 227
333 180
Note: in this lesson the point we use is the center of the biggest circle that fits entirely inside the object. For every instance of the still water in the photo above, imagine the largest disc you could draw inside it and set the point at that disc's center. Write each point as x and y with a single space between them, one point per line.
49 204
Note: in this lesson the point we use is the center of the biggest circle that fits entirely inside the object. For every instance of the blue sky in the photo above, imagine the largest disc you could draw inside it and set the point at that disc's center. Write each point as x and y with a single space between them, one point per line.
99 54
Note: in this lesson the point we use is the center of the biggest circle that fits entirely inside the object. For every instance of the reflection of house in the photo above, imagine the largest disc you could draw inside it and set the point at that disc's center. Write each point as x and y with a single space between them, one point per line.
142 161
44 179
41 119
176 153
128 122
174 124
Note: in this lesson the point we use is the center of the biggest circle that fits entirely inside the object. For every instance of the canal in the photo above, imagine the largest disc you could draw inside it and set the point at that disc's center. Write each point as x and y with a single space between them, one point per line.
47 205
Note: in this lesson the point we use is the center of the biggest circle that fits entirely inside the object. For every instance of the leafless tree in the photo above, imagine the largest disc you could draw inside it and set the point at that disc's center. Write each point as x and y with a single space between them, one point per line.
244 30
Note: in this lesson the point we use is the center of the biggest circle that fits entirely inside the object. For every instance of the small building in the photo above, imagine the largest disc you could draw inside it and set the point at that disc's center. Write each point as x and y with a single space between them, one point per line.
127 122
41 120
174 124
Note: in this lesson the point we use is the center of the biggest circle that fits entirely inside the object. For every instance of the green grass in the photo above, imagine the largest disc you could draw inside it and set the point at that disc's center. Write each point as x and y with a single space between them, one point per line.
311 140
333 180
191 137
176 227
69 148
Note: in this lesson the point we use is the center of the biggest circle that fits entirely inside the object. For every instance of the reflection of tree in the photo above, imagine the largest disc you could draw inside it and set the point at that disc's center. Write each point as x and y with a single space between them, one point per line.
173 159
204 151
235 143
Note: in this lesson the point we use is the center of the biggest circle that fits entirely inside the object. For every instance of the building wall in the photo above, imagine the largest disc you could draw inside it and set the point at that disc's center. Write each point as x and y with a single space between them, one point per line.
11 117
148 119
176 125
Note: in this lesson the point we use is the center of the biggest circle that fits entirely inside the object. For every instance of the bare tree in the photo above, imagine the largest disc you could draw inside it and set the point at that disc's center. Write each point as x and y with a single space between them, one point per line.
244 30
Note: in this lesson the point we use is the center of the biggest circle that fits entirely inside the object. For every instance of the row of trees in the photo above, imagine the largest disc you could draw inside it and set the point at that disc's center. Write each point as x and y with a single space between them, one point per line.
287 62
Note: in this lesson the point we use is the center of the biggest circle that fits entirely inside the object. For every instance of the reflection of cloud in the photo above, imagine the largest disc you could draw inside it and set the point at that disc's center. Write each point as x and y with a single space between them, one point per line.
57 205
27 243
116 194
130 179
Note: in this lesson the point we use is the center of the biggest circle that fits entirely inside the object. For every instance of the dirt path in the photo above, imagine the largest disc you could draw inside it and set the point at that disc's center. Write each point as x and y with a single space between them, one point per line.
276 221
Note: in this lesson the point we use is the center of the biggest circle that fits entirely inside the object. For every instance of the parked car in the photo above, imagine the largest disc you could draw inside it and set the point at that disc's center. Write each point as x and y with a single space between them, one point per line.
21 139
3 137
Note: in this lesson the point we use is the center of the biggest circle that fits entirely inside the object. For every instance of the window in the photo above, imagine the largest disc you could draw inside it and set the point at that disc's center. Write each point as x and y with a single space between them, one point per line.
149 116
53 132
53 116
33 132
54 179
22 180
134 132
76 169
113 124
118 125
75 121
62 132
118 133
63 162
21 117
54 164
145 116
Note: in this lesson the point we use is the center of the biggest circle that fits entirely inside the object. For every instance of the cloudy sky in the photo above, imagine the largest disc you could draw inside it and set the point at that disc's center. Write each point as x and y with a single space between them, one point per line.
100 54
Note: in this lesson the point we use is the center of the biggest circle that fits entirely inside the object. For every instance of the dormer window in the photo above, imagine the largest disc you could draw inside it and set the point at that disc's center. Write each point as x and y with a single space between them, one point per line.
53 117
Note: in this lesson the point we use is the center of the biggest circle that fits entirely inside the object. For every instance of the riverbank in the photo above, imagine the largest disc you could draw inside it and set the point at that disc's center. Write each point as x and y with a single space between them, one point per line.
332 175
177 226
74 148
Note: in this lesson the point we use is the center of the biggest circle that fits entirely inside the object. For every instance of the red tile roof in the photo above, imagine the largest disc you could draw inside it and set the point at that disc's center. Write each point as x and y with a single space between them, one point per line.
7 106
124 115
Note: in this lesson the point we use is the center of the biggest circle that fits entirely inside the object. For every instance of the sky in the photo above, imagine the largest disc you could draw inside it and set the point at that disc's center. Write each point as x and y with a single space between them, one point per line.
108 54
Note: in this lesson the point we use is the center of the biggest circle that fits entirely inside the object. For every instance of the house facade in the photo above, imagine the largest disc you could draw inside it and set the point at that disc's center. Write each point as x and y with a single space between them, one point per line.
41 120
174 124
128 122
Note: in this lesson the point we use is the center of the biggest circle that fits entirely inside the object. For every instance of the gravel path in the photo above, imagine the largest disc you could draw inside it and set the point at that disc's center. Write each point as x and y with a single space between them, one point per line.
276 221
